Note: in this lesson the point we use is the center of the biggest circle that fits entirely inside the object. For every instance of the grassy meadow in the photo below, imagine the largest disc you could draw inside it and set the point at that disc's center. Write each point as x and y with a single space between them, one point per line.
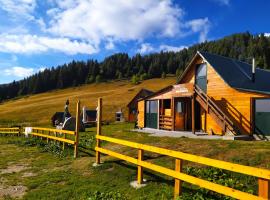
38 109
31 169
42 172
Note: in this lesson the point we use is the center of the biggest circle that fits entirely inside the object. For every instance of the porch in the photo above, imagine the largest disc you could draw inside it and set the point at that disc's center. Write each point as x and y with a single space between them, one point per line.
172 109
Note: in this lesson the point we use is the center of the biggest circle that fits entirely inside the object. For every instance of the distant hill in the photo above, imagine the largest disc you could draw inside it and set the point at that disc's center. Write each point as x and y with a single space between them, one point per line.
38 109
242 46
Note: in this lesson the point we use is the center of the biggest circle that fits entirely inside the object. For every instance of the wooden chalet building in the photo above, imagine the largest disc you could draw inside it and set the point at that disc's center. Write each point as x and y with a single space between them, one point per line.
133 104
215 94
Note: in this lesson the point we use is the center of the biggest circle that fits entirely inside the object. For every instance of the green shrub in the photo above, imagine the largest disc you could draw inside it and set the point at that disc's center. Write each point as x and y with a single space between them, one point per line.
135 80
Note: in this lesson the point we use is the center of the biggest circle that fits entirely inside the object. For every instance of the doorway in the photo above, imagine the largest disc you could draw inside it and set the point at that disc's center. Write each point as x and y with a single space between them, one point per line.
151 114
180 114
262 116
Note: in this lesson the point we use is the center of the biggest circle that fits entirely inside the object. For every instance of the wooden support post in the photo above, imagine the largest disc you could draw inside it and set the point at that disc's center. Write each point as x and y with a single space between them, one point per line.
264 188
177 182
77 130
193 113
99 121
65 136
172 113
140 169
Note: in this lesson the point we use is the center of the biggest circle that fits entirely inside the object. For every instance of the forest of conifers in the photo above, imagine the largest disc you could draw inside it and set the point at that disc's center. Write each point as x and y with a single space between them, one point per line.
242 46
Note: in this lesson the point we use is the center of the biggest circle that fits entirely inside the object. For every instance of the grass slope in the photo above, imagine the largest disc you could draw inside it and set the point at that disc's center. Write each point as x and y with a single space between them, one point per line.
38 109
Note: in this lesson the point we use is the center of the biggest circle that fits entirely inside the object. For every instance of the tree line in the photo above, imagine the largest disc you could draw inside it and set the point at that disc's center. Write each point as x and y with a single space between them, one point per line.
242 46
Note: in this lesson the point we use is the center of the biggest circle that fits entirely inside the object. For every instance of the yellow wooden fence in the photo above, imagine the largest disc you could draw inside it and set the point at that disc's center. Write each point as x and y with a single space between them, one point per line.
15 130
64 136
263 175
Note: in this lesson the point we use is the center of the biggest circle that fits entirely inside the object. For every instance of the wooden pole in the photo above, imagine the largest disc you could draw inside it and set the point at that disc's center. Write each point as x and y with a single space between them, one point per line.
77 129
193 113
177 182
64 142
140 169
264 188
99 121
173 113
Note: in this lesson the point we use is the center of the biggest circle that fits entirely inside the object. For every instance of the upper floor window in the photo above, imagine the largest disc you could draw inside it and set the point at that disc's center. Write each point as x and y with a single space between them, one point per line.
201 76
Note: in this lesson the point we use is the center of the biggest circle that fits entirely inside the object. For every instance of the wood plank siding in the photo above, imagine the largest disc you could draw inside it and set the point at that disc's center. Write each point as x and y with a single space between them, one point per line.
234 103
141 114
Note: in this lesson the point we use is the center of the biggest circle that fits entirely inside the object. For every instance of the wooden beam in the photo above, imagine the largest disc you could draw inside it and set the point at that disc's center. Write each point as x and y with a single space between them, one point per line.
264 188
172 113
178 182
140 169
77 130
193 113
99 121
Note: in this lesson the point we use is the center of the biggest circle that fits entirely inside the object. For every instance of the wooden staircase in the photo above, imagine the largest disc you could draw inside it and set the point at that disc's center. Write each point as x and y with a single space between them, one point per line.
228 127
165 122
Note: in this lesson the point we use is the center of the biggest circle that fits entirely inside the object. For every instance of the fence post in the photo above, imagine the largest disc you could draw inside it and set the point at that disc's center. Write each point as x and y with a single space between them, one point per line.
140 169
99 121
77 130
264 188
177 182
64 142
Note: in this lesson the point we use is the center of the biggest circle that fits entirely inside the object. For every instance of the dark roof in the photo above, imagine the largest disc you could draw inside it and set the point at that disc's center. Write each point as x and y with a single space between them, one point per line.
141 94
238 74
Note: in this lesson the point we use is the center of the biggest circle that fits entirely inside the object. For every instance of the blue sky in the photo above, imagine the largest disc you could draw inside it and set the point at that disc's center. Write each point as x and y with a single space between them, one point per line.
38 34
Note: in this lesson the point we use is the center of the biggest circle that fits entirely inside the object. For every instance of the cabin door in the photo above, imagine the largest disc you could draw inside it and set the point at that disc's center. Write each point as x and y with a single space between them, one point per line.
201 76
151 114
262 116
180 107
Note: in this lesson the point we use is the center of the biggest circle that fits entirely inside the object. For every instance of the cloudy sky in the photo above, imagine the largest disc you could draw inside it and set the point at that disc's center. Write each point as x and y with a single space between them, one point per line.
35 34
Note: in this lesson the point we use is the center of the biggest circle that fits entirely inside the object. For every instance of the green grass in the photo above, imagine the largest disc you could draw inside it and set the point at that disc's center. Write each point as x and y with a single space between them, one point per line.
58 176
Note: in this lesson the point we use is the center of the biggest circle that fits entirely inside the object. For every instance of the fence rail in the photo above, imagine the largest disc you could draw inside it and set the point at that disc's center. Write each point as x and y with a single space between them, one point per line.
15 130
64 136
263 175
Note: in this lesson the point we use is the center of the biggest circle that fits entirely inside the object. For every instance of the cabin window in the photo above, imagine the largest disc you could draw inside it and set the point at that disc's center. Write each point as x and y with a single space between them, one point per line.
262 116
201 76
179 107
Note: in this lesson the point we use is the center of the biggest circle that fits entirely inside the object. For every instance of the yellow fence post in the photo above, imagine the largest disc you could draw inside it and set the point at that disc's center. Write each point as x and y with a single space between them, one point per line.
77 129
99 121
64 142
177 182
140 169
264 188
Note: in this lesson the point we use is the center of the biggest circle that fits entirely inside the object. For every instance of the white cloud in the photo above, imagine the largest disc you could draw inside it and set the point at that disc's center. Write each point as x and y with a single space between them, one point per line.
267 34
146 48
27 44
18 8
200 26
19 72
171 48
110 45
122 20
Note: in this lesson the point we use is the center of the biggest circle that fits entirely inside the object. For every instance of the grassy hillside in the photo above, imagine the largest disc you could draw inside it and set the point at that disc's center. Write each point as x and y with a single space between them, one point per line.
38 109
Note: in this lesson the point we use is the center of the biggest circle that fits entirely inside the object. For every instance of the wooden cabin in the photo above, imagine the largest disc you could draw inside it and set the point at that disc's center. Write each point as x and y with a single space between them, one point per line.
216 95
133 104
